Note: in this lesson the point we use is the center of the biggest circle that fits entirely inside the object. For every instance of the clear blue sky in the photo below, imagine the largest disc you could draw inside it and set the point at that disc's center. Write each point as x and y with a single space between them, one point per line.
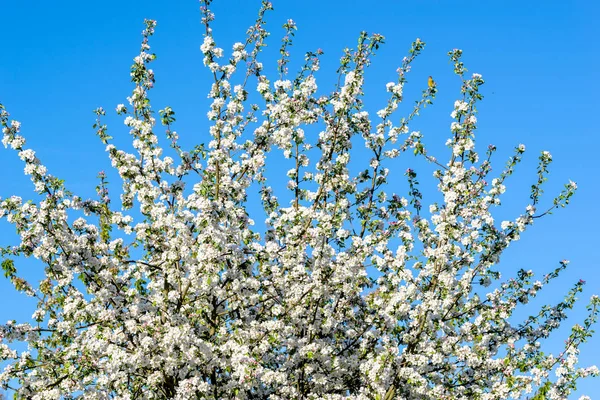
540 60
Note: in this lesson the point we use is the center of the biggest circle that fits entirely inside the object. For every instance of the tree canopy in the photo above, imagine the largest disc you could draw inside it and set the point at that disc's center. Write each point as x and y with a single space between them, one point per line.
350 290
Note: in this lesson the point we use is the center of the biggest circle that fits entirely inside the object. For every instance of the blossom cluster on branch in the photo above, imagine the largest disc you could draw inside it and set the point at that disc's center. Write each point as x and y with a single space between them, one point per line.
175 293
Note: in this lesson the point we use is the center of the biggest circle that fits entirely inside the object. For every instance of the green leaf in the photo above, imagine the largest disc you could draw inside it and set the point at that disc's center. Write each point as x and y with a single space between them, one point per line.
9 268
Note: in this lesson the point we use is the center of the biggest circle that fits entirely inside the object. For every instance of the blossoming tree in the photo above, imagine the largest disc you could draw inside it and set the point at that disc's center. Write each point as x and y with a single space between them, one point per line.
350 291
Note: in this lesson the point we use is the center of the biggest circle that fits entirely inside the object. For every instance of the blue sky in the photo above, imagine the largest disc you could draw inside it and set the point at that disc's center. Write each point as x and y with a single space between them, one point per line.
60 60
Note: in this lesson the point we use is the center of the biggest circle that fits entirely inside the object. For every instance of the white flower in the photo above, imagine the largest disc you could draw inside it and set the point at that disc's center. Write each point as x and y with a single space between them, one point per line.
207 45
